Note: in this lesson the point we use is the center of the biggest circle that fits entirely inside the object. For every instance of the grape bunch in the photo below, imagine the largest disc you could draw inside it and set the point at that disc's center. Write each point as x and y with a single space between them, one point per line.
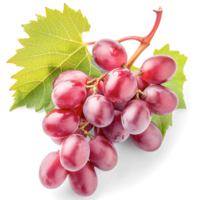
119 104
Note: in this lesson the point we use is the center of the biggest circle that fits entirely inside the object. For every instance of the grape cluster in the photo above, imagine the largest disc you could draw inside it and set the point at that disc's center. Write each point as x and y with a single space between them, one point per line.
118 105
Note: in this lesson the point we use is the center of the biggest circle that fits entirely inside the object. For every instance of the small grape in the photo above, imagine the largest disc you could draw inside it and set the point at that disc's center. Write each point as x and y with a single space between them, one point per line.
149 140
74 152
141 83
158 69
98 111
109 54
120 85
160 99
98 131
136 116
103 154
84 182
119 106
51 172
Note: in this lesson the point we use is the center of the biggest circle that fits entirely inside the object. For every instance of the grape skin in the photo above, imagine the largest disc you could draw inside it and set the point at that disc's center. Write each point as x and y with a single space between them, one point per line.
98 111
158 69
51 172
149 140
71 75
98 131
103 154
119 106
160 99
74 152
60 123
120 85
136 116
109 54
84 182
73 89
141 83
115 132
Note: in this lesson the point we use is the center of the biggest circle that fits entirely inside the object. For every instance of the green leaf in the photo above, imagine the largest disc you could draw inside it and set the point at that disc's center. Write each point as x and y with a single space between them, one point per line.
175 84
54 45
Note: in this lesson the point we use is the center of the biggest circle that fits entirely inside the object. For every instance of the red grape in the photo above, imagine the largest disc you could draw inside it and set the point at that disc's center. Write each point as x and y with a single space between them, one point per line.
136 117
60 123
69 94
103 154
149 140
98 131
115 132
78 110
119 106
120 85
58 140
141 83
74 152
109 54
98 111
158 69
84 182
160 99
51 172
71 75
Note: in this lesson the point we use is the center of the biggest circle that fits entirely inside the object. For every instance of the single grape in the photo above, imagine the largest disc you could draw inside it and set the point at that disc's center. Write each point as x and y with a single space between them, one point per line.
109 54
74 152
120 85
160 99
103 154
149 140
60 123
115 132
136 116
98 111
69 94
51 172
84 182
71 75
141 83
158 69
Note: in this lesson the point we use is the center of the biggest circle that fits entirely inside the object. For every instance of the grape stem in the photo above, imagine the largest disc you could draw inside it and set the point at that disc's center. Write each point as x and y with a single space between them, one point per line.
144 41
144 94
97 80
85 132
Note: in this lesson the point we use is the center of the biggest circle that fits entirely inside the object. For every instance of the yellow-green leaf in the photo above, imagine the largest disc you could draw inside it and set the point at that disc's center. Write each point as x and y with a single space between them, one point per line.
54 45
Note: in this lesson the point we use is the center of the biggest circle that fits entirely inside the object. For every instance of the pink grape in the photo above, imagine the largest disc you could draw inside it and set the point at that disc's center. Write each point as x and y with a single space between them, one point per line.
84 182
71 75
60 123
160 99
141 83
149 140
51 172
115 132
103 154
74 152
158 69
120 85
136 116
69 94
109 54
98 111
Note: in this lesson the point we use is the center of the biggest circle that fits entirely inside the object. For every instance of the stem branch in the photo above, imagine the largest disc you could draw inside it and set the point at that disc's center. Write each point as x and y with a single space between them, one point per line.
85 132
145 41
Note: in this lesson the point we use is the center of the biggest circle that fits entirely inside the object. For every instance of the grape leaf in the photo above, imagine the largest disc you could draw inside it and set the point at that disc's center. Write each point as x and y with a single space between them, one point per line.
175 84
54 45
